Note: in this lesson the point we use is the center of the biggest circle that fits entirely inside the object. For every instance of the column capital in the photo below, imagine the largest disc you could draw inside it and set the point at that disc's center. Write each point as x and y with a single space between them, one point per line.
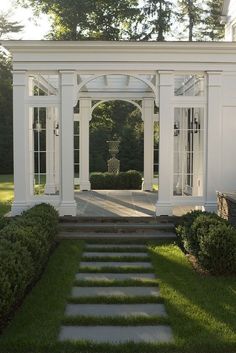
214 78
19 78
68 78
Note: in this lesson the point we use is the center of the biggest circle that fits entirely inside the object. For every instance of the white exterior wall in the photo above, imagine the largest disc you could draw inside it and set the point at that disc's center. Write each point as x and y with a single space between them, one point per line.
216 60
230 20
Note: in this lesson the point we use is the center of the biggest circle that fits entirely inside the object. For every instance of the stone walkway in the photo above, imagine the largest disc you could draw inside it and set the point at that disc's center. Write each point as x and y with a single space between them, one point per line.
119 203
117 295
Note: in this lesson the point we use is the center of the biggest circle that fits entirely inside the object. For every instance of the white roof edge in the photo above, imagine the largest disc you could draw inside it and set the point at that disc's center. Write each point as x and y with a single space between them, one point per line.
225 7
52 46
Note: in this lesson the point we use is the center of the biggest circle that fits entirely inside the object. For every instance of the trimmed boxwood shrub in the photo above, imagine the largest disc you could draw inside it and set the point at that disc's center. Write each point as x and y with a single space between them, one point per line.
131 180
218 249
25 244
211 239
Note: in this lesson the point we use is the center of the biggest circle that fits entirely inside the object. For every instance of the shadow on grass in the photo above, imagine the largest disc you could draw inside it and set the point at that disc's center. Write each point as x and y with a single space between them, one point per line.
201 309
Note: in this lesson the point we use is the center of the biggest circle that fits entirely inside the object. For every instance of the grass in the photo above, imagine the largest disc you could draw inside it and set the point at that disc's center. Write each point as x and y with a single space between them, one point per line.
201 310
115 321
6 193
115 283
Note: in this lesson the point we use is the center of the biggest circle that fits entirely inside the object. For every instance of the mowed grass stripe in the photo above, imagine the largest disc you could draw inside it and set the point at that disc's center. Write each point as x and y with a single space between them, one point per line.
115 321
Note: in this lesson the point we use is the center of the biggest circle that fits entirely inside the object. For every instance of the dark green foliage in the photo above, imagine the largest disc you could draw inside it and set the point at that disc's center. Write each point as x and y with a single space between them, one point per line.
131 180
6 121
211 239
16 273
25 244
213 27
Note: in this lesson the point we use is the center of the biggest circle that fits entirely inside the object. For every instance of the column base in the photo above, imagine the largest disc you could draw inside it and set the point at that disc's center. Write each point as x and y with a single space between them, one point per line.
50 189
85 186
68 209
164 209
18 207
210 207
147 186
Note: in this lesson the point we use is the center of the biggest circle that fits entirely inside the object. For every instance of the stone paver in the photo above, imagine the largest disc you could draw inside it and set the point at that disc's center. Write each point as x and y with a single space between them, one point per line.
113 264
117 334
117 310
114 276
115 254
112 246
88 292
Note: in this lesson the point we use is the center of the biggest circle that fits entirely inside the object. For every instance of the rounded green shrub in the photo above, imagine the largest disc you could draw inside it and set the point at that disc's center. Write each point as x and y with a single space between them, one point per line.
135 180
218 249
16 273
97 181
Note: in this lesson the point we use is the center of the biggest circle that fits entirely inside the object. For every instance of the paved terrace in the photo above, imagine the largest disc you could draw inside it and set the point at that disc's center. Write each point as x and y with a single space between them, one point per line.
119 203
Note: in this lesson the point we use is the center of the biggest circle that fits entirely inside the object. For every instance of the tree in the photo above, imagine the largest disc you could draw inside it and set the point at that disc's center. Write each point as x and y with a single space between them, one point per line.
7 26
6 120
158 15
190 13
87 19
213 28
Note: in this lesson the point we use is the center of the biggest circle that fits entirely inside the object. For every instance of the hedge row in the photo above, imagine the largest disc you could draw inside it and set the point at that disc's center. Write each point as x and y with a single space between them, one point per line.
131 180
25 244
211 239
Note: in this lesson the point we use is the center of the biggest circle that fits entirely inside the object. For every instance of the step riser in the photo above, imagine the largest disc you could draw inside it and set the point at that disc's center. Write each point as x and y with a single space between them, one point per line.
104 220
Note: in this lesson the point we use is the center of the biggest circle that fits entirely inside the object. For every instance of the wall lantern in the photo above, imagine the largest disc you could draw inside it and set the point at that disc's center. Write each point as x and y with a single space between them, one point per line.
176 128
196 123
56 129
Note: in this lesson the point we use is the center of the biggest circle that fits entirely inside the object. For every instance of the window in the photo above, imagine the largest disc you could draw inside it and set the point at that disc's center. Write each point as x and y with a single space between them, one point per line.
189 85
234 33
188 151
43 85
44 149
76 153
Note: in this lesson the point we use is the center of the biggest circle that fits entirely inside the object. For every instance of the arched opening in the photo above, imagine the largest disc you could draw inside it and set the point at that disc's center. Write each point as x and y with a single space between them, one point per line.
121 120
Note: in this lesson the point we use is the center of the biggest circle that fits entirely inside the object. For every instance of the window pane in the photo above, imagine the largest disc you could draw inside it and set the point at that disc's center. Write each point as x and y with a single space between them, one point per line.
188 151
189 85
43 85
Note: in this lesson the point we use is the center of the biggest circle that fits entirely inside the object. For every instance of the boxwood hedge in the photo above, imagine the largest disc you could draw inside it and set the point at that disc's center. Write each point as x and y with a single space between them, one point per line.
131 180
211 239
25 245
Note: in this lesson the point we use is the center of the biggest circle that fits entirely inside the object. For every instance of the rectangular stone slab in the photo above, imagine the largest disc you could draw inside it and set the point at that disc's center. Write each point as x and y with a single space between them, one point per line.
78 292
100 264
118 246
117 334
114 254
116 310
114 276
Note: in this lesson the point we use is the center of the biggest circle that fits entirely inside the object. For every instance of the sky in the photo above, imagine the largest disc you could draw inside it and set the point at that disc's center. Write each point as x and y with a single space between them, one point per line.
32 30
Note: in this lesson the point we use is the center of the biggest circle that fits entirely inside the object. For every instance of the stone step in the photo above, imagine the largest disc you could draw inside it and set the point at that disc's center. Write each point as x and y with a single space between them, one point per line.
118 219
116 310
132 237
115 228
117 334
114 254
91 292
114 276
112 246
113 264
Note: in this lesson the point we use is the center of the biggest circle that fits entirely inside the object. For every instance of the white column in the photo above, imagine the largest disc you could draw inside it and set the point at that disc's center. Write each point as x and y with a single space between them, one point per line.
213 139
21 144
85 117
50 187
68 204
165 192
148 118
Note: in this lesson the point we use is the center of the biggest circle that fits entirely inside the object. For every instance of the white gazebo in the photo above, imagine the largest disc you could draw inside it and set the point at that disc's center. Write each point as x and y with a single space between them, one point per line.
189 89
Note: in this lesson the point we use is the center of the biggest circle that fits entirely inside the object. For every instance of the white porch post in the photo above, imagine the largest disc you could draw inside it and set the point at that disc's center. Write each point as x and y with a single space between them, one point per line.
85 117
21 144
148 118
68 204
50 187
213 139
164 205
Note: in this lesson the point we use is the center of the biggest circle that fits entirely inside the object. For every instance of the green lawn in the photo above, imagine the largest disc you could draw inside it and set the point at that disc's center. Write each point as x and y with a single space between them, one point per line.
202 310
6 193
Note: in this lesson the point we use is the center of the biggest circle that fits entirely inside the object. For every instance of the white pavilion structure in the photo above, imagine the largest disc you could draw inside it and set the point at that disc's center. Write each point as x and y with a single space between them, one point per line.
188 89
